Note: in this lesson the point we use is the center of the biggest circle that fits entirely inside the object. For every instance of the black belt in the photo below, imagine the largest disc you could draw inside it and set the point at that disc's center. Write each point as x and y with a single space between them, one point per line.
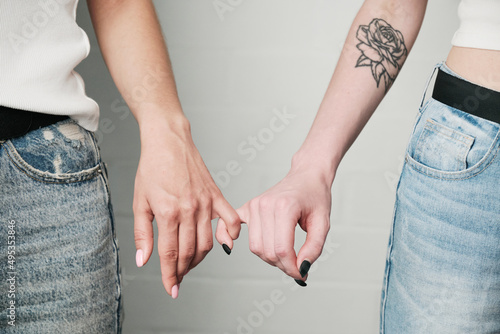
466 96
16 123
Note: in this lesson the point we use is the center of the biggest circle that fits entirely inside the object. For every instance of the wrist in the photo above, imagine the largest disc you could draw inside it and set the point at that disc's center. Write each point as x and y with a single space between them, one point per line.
156 122
151 113
161 135
317 163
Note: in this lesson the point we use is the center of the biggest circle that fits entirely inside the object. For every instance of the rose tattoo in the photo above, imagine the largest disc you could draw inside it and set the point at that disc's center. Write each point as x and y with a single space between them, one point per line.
382 49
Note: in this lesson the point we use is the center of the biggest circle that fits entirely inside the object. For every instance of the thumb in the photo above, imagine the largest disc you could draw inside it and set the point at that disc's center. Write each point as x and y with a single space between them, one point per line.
143 236
317 231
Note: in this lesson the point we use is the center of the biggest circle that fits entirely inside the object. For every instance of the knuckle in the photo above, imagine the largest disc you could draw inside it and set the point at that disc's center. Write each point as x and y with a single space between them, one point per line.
254 205
266 204
189 206
167 213
206 246
140 235
234 220
205 203
170 255
188 253
283 203
218 197
270 257
235 231
280 251
255 248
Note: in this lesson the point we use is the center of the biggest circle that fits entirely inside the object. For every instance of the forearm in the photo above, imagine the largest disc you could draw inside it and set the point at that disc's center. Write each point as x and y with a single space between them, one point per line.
360 81
134 50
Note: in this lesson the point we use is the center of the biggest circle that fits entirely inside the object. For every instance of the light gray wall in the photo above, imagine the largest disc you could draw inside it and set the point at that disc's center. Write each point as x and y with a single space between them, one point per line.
232 71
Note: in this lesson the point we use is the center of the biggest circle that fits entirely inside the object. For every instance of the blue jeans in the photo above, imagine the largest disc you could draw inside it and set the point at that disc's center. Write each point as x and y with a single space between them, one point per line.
443 264
58 251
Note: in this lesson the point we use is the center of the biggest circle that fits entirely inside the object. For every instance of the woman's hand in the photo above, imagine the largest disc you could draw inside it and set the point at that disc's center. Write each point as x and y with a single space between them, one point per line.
303 198
174 186
172 183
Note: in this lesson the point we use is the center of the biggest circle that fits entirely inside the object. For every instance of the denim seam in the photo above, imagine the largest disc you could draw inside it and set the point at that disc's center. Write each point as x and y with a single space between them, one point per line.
388 261
47 177
119 306
422 100
432 127
96 147
385 287
444 134
424 107
448 177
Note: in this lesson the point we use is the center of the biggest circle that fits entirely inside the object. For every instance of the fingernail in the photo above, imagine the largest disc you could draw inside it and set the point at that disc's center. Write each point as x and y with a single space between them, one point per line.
301 283
304 268
226 249
138 258
175 291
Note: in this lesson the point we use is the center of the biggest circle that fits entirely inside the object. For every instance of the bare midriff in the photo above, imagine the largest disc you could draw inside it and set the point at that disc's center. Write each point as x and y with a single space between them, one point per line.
479 66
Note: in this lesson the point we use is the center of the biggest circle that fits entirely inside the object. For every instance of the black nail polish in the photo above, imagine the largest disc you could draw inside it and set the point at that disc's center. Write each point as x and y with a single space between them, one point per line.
301 283
226 249
304 268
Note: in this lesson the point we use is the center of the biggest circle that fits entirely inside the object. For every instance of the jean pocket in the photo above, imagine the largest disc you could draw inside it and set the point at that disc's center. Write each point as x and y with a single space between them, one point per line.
60 153
448 143
442 148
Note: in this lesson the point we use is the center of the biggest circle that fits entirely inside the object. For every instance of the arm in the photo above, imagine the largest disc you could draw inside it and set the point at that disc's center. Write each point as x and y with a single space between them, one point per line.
376 47
172 183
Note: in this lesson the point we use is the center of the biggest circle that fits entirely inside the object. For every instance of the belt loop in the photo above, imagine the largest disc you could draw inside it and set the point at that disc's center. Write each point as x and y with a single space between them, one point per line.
428 83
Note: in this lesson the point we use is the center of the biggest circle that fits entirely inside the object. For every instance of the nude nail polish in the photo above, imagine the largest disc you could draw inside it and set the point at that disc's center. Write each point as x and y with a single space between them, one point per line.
175 291
139 260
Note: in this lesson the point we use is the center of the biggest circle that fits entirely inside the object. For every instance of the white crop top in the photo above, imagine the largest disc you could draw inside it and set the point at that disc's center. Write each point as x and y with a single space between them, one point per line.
479 24
40 45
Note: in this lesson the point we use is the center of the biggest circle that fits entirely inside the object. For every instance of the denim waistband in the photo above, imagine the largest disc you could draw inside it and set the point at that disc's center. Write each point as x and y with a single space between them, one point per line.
444 68
467 97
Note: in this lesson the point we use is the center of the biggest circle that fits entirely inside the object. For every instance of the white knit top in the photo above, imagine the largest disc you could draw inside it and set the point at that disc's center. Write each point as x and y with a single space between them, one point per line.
40 45
479 24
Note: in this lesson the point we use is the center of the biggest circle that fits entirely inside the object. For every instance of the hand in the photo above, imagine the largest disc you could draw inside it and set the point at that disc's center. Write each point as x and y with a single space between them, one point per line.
174 186
302 197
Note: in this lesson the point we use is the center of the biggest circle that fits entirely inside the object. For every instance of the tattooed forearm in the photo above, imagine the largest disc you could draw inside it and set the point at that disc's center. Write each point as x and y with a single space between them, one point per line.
382 49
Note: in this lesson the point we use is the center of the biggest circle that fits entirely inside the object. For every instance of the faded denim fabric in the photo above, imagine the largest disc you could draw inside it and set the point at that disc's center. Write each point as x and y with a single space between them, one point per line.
54 200
443 264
